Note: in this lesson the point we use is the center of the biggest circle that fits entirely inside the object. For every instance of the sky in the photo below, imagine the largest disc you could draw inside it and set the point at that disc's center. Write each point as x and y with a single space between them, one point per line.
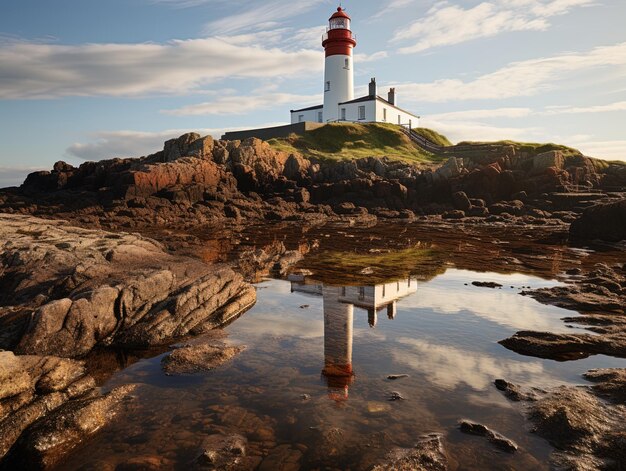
87 80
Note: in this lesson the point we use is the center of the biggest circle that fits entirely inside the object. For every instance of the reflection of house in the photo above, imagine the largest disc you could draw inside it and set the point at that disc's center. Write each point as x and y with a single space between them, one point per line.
339 303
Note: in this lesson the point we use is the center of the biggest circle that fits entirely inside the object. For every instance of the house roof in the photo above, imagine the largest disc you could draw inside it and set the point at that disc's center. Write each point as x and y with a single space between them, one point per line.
309 108
367 98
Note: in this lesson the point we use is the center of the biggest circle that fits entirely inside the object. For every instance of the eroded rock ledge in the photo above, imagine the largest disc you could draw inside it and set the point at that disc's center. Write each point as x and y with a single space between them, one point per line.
67 290
585 424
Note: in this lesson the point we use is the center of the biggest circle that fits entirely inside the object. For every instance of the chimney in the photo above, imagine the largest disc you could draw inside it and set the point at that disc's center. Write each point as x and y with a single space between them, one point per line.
373 87
391 97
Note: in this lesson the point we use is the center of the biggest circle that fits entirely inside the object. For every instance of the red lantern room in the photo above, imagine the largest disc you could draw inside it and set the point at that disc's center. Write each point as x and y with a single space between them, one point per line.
339 38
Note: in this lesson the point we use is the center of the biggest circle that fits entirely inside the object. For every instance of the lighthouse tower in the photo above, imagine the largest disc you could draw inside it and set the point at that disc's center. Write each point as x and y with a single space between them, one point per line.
338 43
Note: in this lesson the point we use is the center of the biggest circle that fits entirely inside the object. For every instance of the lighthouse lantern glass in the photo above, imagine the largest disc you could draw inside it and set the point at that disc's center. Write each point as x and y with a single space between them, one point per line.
339 23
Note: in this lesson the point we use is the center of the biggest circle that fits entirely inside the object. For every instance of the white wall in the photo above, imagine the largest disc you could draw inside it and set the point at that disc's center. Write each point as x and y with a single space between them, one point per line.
392 115
341 80
310 115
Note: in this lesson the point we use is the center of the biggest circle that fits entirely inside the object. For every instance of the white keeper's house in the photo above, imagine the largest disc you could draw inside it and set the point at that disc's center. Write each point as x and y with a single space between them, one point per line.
339 102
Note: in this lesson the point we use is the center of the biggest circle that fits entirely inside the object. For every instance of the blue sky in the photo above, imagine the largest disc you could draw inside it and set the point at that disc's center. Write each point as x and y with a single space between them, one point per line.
85 79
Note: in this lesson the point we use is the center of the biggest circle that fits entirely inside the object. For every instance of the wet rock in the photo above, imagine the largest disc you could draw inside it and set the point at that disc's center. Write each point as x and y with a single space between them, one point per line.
427 455
461 201
394 377
455 214
487 284
282 458
586 431
603 221
192 359
87 288
33 386
222 452
513 392
395 396
46 442
494 438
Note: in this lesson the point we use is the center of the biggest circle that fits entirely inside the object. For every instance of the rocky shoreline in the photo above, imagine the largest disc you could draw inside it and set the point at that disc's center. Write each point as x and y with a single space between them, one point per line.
72 283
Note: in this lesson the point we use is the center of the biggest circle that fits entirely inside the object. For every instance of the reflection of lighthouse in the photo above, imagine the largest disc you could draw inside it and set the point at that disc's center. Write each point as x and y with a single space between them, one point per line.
339 303
338 317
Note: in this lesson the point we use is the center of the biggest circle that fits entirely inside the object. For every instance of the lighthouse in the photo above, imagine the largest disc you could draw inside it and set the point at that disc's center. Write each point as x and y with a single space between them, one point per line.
338 43
339 102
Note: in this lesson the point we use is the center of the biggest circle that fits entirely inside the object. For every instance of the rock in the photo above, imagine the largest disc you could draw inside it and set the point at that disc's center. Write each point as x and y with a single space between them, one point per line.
395 396
427 455
550 159
46 442
513 392
461 201
603 221
586 430
107 289
394 377
487 284
455 214
198 358
282 458
222 452
495 438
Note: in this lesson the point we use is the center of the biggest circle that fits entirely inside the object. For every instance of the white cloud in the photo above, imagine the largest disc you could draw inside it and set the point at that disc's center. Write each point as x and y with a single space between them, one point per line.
524 78
391 6
35 70
446 24
458 131
449 367
260 17
617 106
361 58
242 104
482 114
609 149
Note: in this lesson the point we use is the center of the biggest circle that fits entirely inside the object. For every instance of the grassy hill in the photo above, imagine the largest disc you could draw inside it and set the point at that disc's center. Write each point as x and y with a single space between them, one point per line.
343 141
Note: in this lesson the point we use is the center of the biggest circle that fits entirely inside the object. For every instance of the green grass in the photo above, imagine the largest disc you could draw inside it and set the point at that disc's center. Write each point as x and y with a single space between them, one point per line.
346 141
432 136
531 148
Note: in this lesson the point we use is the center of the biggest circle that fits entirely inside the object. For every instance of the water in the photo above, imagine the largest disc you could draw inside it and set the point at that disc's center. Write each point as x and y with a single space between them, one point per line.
311 390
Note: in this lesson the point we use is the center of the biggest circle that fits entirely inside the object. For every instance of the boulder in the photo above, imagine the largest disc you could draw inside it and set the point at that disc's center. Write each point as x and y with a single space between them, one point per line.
603 221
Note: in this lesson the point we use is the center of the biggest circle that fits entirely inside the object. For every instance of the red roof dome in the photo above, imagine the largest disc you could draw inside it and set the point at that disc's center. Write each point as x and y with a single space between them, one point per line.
341 13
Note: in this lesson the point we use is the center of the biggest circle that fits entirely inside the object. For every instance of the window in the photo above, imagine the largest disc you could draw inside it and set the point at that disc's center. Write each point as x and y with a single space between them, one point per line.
384 290
339 23
327 88
343 114
384 114
361 293
300 118
410 123
320 117
343 290
347 64
361 112
399 119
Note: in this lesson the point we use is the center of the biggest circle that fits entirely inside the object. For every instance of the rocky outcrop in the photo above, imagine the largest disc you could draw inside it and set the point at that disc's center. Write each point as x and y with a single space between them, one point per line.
48 405
495 438
189 359
46 442
603 221
196 180
73 289
586 429
600 294
427 455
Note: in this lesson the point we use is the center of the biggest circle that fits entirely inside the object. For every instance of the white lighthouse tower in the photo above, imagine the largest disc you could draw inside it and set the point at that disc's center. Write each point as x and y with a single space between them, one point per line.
338 43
